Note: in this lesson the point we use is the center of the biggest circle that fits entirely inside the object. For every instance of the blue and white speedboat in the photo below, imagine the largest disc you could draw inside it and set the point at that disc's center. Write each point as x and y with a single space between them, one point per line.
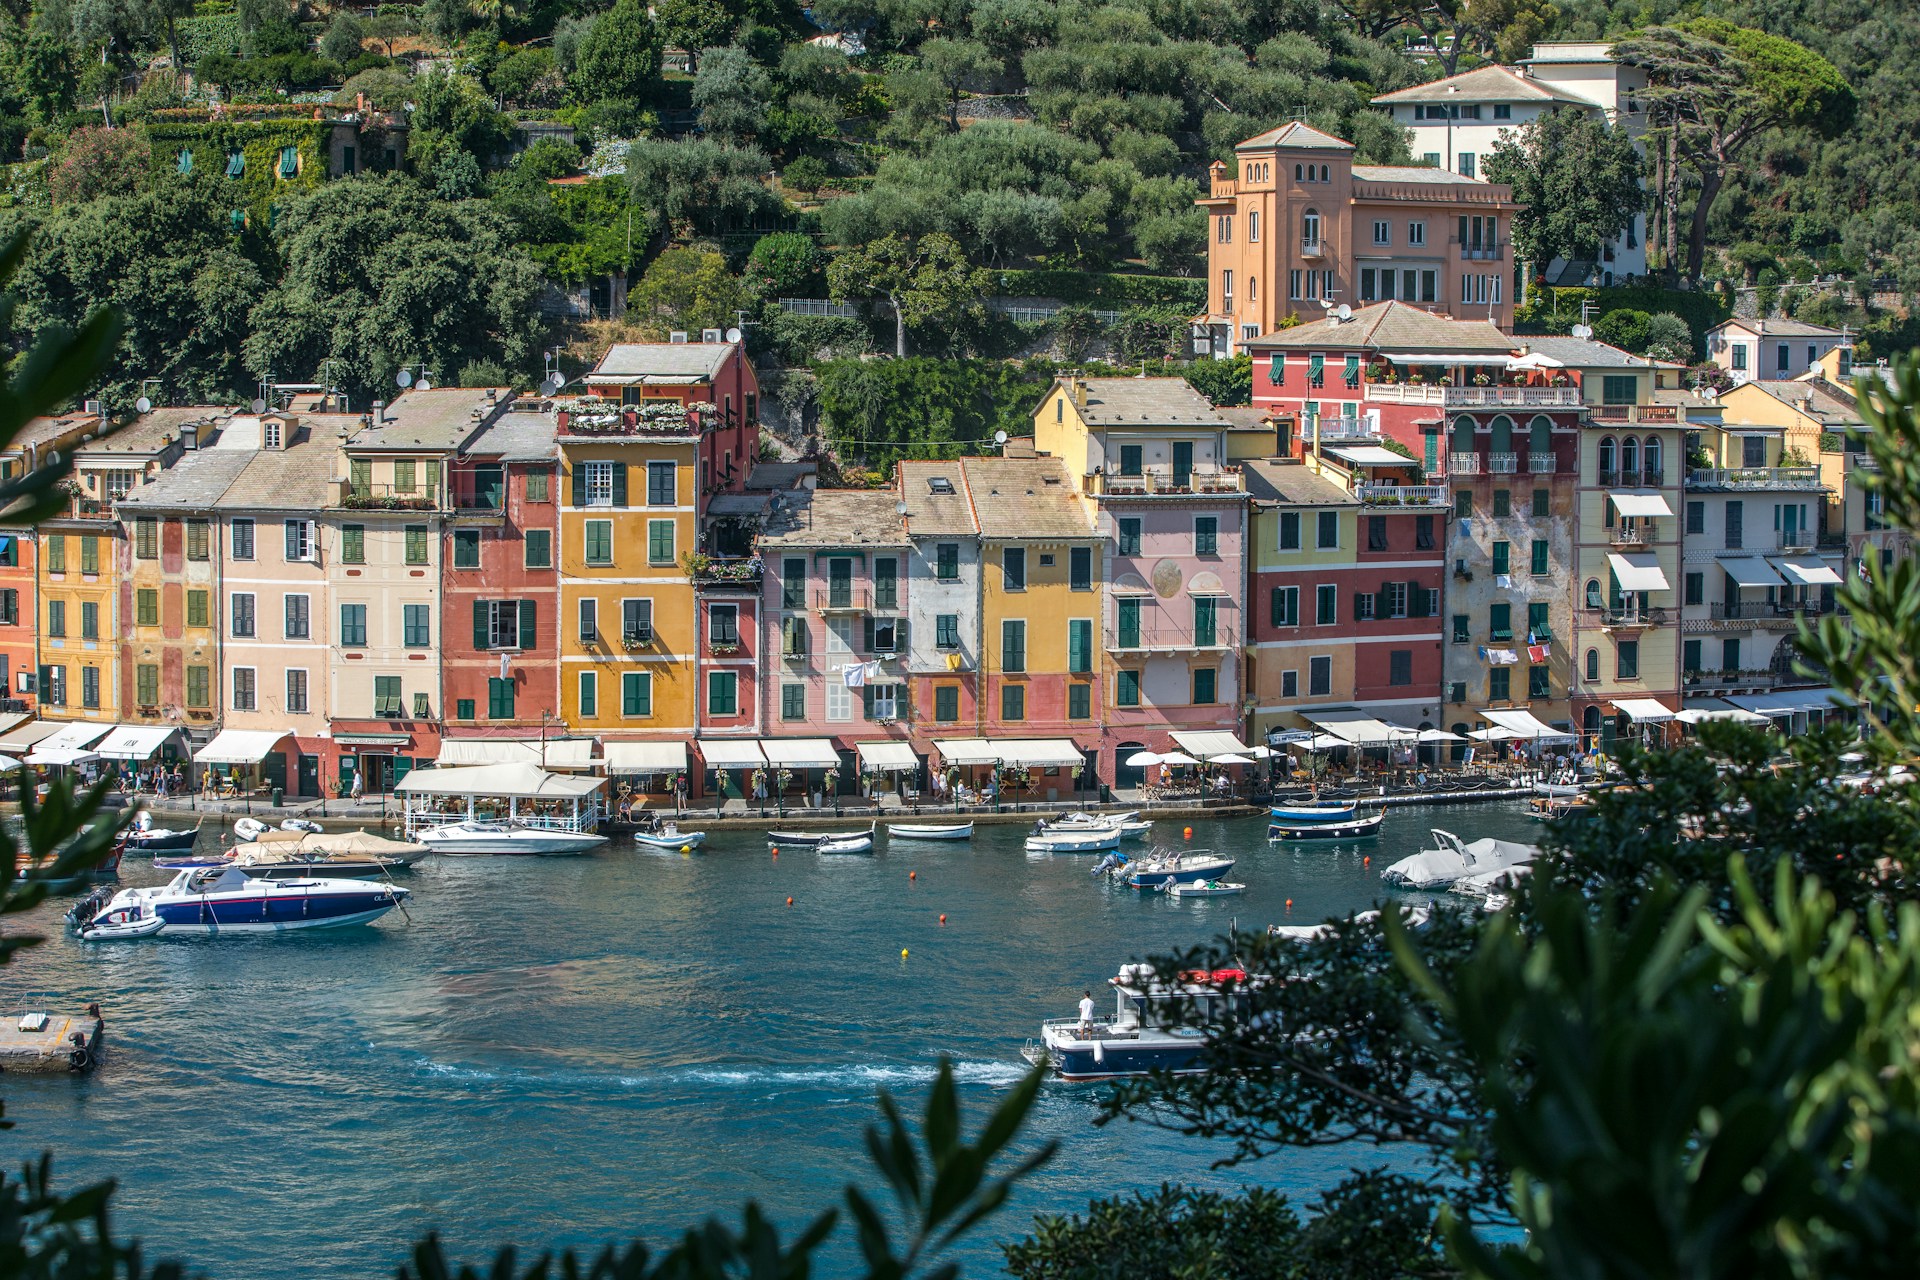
1143 1034
227 900
1166 868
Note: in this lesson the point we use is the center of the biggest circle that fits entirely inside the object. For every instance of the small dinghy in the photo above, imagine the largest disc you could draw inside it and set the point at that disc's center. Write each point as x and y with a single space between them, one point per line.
147 838
248 830
668 835
914 831
121 926
1358 829
1084 840
1127 824
1299 815
799 839
859 842
1204 889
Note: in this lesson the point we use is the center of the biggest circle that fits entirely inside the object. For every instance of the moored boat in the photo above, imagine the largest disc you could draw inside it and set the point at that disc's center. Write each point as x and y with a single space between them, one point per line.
248 830
918 831
1147 1032
1087 840
227 900
1454 859
668 835
144 837
1204 889
507 839
1357 829
1166 868
1300 813
857 842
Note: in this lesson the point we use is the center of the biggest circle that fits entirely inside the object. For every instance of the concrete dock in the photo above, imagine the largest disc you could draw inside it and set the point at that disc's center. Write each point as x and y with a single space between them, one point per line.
35 1039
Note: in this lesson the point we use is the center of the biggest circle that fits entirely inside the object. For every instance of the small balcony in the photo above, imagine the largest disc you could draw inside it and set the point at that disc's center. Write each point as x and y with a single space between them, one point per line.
1645 414
854 600
1464 464
1798 539
1633 619
662 419
1633 533
1542 464
1805 478
1475 397
1165 481
383 497
724 572
1404 495
1149 638
1312 248
1480 250
1503 464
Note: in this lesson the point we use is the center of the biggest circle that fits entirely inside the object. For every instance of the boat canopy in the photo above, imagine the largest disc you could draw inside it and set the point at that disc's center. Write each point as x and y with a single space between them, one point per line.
240 746
800 753
517 781
645 757
1207 743
887 757
555 753
134 741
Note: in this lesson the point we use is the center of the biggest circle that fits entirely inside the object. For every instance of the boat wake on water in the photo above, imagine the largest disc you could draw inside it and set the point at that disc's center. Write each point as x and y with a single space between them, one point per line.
735 1075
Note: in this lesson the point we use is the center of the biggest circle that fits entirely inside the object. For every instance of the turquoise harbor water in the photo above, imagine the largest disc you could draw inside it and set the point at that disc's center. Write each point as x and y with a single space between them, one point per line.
573 1051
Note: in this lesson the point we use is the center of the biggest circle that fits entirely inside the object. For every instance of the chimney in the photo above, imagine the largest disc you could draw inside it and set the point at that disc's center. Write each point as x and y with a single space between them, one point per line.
379 410
1079 393
189 435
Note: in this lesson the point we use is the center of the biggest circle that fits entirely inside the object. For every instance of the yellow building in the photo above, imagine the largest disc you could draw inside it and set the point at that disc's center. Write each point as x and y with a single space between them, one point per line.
1814 418
629 494
79 576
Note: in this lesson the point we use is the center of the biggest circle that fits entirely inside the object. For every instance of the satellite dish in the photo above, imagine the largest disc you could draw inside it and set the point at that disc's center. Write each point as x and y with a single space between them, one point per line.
733 334
259 406
1582 331
551 385
403 379
143 404
423 384
999 437
1343 312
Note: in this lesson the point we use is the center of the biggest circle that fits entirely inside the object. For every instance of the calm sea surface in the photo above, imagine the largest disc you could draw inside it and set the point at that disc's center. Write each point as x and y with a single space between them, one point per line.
573 1051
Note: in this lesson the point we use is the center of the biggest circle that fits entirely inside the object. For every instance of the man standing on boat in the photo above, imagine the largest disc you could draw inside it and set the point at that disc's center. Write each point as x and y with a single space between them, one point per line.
1086 1014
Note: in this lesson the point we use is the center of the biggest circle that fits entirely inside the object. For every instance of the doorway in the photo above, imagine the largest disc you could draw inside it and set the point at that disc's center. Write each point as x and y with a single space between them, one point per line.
309 775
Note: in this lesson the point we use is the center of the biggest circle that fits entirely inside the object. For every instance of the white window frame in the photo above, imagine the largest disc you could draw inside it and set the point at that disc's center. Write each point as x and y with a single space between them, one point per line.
587 619
643 619
599 483
503 613
306 545
253 614
1382 231
253 676
1417 235
306 686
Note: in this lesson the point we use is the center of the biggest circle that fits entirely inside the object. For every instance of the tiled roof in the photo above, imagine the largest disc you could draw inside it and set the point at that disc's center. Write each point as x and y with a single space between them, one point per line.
1482 84
1295 484
1779 328
518 436
297 478
835 518
442 418
779 475
39 431
1393 326
664 359
1137 402
1585 353
1025 498
1296 134
1426 173
936 514
1816 399
149 432
195 482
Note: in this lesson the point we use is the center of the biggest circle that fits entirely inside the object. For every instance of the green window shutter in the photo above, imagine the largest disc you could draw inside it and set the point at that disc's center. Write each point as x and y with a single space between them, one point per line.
579 484
589 695
185 163
1500 621
289 161
236 164
1539 564
1277 369
1502 556
482 632
1353 371
619 484
1079 645
529 630
1316 370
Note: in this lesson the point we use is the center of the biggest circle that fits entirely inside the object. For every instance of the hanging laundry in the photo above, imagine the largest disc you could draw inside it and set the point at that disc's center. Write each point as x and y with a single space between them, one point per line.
1536 653
1503 580
857 673
1502 657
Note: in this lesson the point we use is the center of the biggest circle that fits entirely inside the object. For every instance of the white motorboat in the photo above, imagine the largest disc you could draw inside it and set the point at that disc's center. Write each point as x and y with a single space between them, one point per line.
1157 1026
1415 918
1454 859
1359 828
1488 884
858 842
1166 868
507 838
1127 824
1204 889
248 830
915 831
668 835
1086 840
1300 813
227 900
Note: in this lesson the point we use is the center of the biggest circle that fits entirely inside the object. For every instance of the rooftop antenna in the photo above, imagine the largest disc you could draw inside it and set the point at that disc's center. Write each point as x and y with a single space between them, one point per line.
145 402
1343 313
404 378
1582 331
1000 440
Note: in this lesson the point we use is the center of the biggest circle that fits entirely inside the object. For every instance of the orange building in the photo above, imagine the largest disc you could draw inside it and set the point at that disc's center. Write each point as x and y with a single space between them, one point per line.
1301 229
19 598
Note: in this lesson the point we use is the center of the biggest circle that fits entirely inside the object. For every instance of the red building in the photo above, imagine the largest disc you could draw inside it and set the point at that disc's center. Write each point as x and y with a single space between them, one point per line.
714 372
19 601
501 588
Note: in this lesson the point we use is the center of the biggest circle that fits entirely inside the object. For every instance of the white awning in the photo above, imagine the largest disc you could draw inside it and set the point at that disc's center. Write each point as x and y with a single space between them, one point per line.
1698 710
645 757
134 741
731 753
22 736
1034 753
966 751
61 755
1522 724
1750 571
1639 571
887 757
1355 726
1639 502
1209 742
1370 455
801 753
517 781
243 746
557 753
1643 710
75 736
1792 701
1807 571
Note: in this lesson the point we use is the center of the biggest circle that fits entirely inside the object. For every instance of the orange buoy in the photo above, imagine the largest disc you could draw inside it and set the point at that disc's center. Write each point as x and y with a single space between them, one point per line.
1289 903
943 917
1367 861
789 901
913 875
776 850
1186 833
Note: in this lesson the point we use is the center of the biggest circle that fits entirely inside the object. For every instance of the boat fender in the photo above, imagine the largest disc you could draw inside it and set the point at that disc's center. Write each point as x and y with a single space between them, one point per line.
1099 1052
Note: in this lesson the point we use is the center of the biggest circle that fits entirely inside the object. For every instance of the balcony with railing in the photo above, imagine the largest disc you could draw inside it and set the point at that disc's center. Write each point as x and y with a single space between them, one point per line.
1464 464
1475 397
384 497
1754 478
1757 678
723 572
1652 415
1648 479
1165 637
1798 539
1403 495
1311 247
1167 481
1472 250
1633 532
663 419
1632 617
1542 464
1503 464
839 599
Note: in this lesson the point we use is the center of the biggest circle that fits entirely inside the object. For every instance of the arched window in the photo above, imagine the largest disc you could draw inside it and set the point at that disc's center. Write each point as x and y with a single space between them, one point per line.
1594 599
1541 431
1606 455
1310 229
1593 671
1650 459
1253 288
1502 435
1296 173
1323 174
1463 434
1629 456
